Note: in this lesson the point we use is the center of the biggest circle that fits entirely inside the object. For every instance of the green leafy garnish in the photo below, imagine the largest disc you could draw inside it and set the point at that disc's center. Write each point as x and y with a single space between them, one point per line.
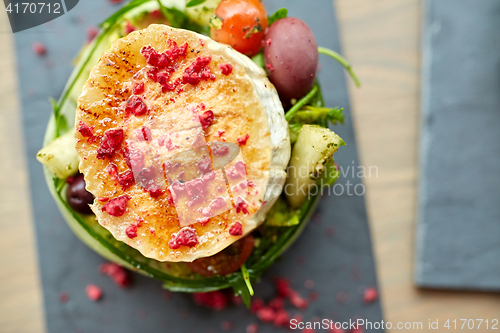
258 59
316 115
280 215
60 119
343 61
280 13
301 102
176 18
193 3
330 175
59 184
246 277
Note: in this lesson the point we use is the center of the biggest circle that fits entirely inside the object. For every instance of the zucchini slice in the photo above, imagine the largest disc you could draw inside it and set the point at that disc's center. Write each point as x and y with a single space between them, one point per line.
314 147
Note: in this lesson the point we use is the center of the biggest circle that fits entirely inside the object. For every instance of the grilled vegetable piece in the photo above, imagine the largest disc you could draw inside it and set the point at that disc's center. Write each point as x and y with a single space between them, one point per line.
60 156
314 147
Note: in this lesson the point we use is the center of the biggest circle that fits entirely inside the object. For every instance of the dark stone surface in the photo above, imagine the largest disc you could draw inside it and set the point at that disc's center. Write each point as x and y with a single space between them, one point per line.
458 242
339 263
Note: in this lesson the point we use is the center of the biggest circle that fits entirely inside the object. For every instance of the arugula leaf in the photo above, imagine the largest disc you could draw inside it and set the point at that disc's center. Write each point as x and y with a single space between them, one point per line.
294 129
280 13
343 61
316 115
246 277
61 122
258 59
59 184
175 17
330 175
280 215
301 102
193 3
241 288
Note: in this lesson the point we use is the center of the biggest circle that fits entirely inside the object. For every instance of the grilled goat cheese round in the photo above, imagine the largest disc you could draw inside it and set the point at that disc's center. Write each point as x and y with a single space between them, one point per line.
183 142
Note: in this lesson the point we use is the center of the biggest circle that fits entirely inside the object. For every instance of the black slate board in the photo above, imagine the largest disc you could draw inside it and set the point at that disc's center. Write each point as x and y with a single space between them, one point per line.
339 264
459 213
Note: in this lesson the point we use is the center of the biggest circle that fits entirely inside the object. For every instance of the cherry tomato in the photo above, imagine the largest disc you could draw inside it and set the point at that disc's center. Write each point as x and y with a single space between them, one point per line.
227 261
241 24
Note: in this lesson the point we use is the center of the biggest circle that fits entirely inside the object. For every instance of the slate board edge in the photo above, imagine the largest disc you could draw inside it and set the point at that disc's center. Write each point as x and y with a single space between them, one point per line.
425 107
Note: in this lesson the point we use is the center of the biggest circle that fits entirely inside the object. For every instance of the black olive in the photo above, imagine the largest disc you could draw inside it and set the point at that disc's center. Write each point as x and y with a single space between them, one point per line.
78 197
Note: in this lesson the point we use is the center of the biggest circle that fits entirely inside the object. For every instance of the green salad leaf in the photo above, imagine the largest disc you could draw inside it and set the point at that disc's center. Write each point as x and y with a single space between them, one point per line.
280 13
193 3
280 215
343 61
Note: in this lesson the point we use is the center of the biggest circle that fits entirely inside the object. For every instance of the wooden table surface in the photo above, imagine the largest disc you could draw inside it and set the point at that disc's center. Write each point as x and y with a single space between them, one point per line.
381 38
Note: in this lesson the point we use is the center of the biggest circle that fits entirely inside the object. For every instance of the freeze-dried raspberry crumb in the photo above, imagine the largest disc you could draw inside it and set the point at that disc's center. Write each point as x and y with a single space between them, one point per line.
308 330
143 134
119 274
63 297
110 143
256 305
252 328
342 297
266 314
157 14
185 237
270 67
116 206
197 71
241 206
206 119
220 150
205 165
115 1
138 88
297 300
236 229
93 292
313 296
129 28
227 325
126 179
135 106
282 286
277 303
240 166
175 51
282 318
226 69
39 48
243 140
85 130
370 295
91 33
131 231
218 203
215 300
309 284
